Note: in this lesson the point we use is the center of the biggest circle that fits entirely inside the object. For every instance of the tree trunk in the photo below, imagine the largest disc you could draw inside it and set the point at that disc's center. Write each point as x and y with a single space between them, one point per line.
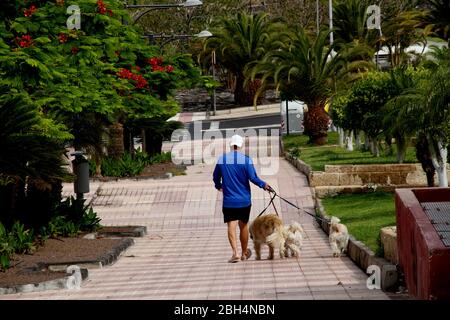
144 139
374 147
341 137
153 143
439 159
244 95
128 141
349 141
424 156
389 150
357 140
366 142
115 146
316 125
402 145
12 195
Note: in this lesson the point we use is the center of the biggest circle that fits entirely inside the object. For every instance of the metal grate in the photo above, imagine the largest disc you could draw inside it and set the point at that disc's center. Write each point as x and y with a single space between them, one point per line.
439 215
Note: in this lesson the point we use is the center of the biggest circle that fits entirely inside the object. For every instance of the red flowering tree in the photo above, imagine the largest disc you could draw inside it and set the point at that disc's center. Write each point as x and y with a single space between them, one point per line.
77 82
101 72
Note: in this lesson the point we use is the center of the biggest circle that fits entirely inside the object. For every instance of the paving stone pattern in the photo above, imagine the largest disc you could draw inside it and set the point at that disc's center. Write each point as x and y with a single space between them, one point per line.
185 253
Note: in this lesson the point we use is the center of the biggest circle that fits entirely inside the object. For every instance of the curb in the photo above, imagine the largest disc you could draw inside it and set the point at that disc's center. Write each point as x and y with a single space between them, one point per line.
137 232
357 251
361 255
67 282
105 260
61 283
242 115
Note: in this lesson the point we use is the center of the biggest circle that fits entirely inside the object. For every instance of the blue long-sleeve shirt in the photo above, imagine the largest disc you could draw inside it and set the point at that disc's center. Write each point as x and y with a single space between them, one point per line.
232 174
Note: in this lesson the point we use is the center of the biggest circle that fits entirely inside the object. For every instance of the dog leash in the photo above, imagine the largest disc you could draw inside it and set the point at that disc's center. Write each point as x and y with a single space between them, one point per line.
275 194
270 203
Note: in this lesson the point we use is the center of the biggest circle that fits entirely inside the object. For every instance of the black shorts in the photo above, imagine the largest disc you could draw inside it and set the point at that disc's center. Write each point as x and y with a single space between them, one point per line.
233 214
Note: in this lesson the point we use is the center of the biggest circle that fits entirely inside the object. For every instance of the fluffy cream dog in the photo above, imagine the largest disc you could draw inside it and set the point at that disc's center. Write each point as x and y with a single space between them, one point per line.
293 239
267 229
338 237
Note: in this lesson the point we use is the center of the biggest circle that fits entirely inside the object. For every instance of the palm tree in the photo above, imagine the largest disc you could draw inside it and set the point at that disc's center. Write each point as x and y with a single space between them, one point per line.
437 15
400 31
29 160
307 68
399 121
428 106
349 19
237 41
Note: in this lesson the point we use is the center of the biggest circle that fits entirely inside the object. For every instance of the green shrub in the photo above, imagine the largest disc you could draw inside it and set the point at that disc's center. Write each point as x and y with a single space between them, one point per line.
295 152
18 240
6 250
23 240
127 166
71 216
90 221
162 158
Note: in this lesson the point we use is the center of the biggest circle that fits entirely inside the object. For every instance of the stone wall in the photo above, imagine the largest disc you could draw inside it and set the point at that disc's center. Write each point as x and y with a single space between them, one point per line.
398 175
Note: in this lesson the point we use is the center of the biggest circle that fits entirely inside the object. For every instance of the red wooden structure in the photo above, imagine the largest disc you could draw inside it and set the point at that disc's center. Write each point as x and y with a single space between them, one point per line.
423 239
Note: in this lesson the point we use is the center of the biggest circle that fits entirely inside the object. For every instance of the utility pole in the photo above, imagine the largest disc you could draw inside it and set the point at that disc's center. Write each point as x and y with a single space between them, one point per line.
213 60
287 117
330 5
317 16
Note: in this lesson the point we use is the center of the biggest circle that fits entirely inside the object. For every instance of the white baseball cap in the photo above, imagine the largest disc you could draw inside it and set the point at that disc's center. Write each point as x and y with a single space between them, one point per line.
237 140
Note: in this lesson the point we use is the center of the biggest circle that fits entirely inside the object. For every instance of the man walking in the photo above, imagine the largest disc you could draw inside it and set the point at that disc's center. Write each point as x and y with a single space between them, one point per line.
231 176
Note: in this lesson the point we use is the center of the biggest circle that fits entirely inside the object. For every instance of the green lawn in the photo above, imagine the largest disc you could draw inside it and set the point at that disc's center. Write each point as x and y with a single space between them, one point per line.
364 214
318 156
292 141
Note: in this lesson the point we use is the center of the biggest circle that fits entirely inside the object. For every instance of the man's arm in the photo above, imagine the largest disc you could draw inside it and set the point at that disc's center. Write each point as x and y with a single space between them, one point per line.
253 177
217 177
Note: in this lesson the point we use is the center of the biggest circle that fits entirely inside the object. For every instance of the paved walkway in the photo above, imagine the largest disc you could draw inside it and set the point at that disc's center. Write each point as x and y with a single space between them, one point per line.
234 113
184 255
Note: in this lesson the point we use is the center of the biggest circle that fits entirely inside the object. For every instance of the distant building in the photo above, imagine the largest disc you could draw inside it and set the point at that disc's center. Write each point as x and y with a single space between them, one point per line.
383 56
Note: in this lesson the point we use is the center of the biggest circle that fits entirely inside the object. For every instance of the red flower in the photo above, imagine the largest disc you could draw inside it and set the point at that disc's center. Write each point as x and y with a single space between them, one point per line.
141 83
153 61
160 60
125 74
102 9
75 50
25 41
29 12
169 68
62 38
158 68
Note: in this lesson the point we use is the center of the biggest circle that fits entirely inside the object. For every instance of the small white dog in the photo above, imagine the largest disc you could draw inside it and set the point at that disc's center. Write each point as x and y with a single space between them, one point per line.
338 237
292 236
293 239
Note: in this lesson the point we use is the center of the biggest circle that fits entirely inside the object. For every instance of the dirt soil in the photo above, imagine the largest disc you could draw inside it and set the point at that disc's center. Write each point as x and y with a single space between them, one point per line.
160 169
24 266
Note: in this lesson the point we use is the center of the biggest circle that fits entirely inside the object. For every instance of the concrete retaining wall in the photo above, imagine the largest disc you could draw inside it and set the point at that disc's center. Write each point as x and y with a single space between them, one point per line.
399 175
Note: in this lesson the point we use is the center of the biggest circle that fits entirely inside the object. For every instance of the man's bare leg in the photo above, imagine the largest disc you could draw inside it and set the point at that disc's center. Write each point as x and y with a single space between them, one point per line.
232 237
243 227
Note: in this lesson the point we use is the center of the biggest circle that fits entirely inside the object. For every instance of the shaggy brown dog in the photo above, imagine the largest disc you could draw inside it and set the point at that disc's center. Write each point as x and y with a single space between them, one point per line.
263 227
